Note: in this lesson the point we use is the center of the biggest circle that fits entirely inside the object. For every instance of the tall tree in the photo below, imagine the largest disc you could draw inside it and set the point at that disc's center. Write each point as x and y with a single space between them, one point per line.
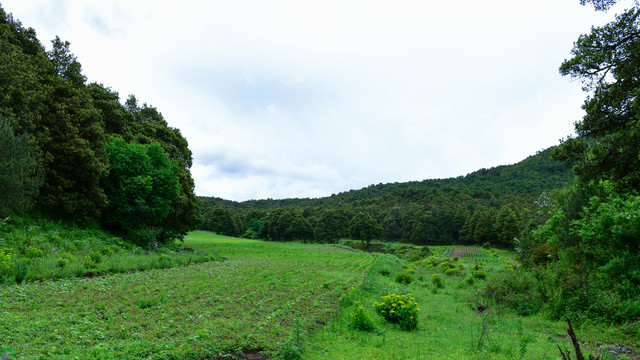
608 61
18 179
365 228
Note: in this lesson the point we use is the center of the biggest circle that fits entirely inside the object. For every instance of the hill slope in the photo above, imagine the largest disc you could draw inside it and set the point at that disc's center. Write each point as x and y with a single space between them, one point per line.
455 210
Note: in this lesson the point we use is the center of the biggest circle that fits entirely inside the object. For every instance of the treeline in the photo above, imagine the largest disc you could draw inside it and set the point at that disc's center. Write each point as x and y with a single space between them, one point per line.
490 205
75 152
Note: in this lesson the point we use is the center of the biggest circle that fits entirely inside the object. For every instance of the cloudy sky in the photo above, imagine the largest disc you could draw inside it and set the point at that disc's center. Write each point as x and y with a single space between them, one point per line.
305 98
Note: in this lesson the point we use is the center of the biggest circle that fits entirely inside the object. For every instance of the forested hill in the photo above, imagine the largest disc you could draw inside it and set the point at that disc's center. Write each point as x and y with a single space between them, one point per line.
424 211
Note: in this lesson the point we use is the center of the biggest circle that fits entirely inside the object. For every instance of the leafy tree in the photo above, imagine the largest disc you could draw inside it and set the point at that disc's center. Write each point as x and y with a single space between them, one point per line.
141 186
332 225
365 228
18 180
506 226
608 61
298 229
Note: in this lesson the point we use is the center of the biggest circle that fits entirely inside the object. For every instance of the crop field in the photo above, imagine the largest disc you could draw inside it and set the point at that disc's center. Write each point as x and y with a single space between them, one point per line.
248 303
266 300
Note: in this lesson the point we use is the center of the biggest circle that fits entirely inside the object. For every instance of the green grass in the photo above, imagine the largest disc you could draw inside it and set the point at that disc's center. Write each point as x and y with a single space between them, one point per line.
279 300
449 326
251 302
36 249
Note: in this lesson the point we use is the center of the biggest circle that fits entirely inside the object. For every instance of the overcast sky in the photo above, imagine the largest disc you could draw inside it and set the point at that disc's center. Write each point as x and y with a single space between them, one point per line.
299 98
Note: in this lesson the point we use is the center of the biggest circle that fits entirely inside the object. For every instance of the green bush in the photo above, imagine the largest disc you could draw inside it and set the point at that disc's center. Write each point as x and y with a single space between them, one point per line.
399 309
517 290
437 281
96 257
6 264
486 245
479 274
452 272
32 252
360 320
88 263
404 278
469 280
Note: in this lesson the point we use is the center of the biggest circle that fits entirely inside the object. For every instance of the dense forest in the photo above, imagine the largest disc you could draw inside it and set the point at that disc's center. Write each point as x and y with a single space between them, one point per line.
75 152
489 205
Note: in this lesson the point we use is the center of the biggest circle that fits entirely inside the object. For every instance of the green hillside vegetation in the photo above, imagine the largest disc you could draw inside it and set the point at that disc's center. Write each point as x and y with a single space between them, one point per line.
73 157
490 205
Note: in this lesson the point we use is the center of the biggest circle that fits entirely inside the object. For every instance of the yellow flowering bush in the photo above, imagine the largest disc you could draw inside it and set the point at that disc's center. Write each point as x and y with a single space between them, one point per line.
6 264
399 309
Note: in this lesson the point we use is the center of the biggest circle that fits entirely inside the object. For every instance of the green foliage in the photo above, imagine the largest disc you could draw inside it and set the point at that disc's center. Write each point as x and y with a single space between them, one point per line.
453 272
359 319
32 253
478 274
399 309
18 180
96 257
141 186
437 281
403 278
517 290
365 228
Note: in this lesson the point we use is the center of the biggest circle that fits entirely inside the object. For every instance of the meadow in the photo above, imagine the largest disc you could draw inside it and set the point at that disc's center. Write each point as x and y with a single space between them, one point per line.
262 300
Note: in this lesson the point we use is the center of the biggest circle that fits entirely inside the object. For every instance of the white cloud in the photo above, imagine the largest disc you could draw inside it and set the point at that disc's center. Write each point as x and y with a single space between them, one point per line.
293 99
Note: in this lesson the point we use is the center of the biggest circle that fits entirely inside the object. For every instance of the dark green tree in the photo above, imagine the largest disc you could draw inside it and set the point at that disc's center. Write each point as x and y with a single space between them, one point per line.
332 225
18 179
506 226
365 228
608 61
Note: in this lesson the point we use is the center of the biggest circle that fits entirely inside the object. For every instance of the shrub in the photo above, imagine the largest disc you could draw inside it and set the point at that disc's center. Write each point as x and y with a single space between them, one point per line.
96 257
479 274
486 245
437 281
404 278
32 252
61 262
88 263
469 280
399 309
6 264
360 320
385 272
452 272
164 260
517 290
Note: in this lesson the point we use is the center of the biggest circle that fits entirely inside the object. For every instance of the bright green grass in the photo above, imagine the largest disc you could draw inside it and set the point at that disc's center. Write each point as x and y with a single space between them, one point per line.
449 327
252 301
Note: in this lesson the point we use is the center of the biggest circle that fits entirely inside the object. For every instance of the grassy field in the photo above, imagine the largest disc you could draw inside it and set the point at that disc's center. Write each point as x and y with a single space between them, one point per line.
250 302
281 300
450 326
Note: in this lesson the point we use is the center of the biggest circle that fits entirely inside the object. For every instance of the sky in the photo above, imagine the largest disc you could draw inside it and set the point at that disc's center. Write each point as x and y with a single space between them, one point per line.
290 98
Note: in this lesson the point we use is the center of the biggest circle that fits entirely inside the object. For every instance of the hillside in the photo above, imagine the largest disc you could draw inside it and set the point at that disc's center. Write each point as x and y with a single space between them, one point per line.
428 211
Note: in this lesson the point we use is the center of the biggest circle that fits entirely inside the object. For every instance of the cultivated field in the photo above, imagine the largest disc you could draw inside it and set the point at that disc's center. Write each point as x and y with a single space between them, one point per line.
284 300
248 303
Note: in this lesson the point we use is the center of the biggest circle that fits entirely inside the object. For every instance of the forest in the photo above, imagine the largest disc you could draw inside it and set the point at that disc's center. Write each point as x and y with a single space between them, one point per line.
75 153
487 206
